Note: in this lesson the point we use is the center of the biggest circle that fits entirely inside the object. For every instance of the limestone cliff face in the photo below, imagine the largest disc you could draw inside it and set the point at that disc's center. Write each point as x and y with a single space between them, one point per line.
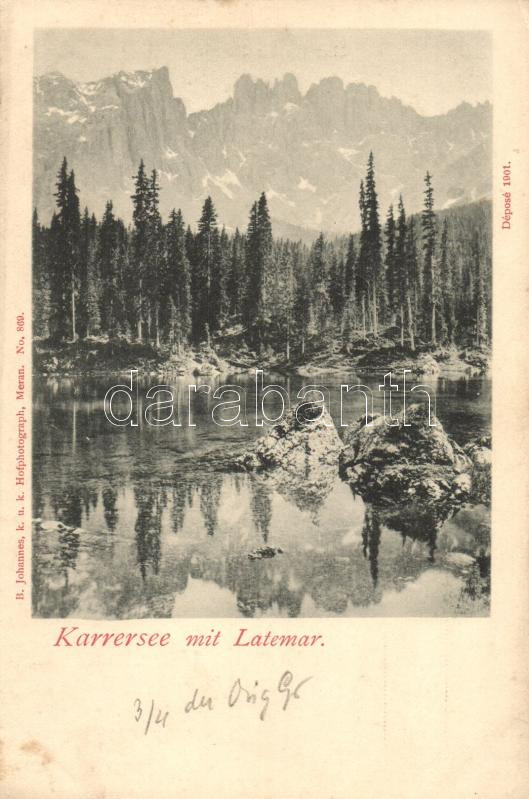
308 152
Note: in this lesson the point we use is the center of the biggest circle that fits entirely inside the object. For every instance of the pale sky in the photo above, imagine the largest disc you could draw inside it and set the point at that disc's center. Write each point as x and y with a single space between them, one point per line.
433 71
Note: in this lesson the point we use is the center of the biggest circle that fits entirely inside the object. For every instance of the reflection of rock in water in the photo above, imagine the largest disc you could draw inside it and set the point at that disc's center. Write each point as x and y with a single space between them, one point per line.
298 457
420 522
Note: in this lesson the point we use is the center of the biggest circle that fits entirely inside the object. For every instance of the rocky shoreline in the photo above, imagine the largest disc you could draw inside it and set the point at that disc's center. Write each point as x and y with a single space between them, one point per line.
96 357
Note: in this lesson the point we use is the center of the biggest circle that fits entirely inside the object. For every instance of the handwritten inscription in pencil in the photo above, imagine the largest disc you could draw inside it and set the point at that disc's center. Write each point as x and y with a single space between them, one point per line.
282 694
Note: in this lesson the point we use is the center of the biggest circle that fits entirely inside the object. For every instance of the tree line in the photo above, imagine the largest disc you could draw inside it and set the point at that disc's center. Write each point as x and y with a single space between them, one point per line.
422 279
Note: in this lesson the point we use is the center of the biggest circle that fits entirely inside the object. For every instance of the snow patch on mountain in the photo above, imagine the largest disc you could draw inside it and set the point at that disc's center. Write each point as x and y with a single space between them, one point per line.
305 185
276 195
223 182
348 153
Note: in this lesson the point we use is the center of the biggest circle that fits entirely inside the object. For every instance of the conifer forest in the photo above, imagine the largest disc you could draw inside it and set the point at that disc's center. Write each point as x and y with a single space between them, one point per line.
422 280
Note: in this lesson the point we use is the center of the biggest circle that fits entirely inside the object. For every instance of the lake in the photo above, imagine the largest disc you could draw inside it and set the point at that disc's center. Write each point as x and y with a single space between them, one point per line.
161 529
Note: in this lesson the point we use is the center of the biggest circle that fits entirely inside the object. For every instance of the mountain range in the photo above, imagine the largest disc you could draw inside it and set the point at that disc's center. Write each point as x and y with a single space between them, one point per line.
307 151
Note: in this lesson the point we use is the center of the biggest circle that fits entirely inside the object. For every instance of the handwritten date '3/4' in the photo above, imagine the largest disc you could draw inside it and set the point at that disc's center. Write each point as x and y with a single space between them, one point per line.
147 715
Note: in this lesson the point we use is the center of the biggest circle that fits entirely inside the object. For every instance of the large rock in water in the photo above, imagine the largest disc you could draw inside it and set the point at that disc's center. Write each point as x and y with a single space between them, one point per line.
304 439
401 464
298 457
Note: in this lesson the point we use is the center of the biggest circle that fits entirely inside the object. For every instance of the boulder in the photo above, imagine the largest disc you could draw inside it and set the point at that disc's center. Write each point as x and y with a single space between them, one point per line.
305 439
401 464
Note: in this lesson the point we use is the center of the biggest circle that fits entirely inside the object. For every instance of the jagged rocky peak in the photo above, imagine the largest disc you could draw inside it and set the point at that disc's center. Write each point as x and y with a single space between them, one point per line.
286 89
253 95
143 78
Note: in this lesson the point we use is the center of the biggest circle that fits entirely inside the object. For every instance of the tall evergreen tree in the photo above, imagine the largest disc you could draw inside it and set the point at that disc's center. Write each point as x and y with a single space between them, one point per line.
362 266
108 256
413 281
40 274
430 282
390 264
414 277
235 283
480 308
349 267
337 292
447 289
303 309
140 248
258 266
64 263
179 281
319 274
221 267
156 267
206 251
374 244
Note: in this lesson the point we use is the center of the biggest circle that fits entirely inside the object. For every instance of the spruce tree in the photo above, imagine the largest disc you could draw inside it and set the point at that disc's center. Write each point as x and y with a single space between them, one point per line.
156 268
64 263
179 281
235 281
430 282
303 310
108 256
319 274
390 264
140 247
258 266
337 292
350 266
413 281
206 250
73 234
399 266
40 279
362 266
479 299
374 245
445 268
218 310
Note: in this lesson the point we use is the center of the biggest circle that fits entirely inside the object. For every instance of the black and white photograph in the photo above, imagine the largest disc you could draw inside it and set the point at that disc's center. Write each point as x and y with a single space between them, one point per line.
262 323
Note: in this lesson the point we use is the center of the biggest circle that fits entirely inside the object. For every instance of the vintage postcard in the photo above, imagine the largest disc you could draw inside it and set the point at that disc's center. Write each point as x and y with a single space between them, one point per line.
265 303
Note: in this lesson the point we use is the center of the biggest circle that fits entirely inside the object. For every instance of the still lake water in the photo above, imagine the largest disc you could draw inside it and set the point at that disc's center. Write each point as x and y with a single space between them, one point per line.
161 530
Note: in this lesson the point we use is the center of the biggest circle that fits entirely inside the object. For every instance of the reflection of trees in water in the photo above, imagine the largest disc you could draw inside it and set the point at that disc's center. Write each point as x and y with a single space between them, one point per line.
371 540
109 497
54 555
38 495
150 501
67 504
91 500
182 495
261 508
209 491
